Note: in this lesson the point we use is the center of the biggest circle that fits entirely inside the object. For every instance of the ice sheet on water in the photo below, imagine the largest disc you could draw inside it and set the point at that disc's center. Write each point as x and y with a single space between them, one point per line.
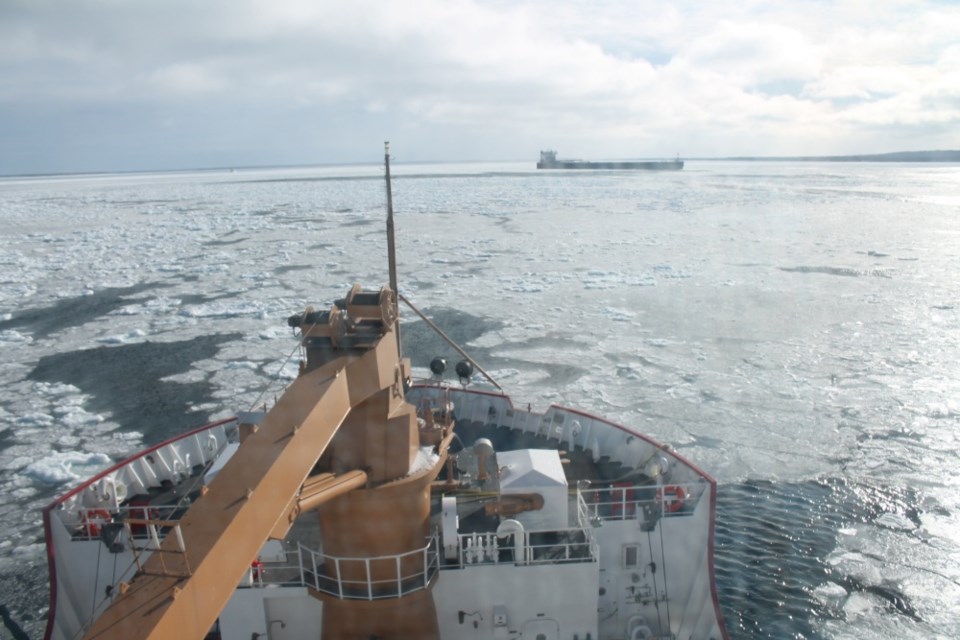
19 292
187 377
601 280
941 410
227 411
154 306
9 336
487 340
618 315
68 441
35 419
503 375
119 444
860 605
528 283
22 493
831 595
661 342
136 335
629 372
272 332
69 411
18 463
78 418
227 309
206 407
66 466
206 269
867 569
895 521
242 364
289 371
29 551
55 389
172 323
668 271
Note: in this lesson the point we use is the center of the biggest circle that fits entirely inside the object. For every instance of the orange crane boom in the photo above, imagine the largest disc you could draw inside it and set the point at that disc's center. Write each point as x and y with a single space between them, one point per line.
180 592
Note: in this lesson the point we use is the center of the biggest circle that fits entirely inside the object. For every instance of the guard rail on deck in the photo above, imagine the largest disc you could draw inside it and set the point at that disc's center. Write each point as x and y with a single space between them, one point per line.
535 548
325 573
407 573
573 544
628 501
90 522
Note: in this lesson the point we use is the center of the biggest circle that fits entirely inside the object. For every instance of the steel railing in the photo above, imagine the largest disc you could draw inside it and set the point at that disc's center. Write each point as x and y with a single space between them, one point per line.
647 501
375 578
87 523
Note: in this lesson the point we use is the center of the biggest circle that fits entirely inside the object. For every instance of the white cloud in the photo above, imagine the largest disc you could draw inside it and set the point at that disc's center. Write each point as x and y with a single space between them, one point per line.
186 79
754 52
623 77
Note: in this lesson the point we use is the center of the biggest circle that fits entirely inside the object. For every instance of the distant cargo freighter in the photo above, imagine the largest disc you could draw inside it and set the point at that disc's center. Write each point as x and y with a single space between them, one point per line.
548 160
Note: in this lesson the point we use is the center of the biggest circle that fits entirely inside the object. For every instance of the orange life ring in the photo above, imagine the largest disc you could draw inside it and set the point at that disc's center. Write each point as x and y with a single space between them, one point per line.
93 519
672 497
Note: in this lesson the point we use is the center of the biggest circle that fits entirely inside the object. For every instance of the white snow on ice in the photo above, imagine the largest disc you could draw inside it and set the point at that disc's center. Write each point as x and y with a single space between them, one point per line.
66 466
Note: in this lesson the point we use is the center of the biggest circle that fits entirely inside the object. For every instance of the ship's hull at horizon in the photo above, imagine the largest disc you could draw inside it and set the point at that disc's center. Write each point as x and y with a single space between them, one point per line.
667 165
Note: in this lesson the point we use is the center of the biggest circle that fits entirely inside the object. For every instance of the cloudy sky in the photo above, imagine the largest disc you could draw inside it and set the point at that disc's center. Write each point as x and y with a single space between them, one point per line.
94 85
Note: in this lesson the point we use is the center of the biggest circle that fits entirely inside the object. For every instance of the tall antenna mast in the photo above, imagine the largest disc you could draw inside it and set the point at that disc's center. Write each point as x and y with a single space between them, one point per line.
391 245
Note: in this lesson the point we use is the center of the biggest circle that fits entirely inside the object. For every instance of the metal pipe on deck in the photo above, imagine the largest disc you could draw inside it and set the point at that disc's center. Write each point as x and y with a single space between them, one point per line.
326 487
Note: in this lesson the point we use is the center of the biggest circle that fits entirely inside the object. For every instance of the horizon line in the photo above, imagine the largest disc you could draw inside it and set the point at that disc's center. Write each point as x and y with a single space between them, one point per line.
953 155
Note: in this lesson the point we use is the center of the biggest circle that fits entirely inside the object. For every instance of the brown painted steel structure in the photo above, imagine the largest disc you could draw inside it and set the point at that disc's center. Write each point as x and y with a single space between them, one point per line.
345 421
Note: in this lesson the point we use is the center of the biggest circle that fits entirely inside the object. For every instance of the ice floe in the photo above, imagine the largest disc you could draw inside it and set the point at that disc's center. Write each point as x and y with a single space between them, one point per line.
895 521
224 309
136 335
11 336
242 364
77 418
618 315
274 331
35 419
66 466
289 371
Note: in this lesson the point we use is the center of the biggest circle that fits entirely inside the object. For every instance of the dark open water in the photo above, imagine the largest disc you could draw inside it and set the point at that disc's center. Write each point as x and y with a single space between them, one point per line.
793 328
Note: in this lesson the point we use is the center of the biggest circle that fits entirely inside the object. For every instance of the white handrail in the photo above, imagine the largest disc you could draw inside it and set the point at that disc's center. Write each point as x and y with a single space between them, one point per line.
626 502
367 588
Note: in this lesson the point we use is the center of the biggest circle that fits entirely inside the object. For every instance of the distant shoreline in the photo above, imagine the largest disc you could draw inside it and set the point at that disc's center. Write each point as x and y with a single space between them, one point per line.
897 156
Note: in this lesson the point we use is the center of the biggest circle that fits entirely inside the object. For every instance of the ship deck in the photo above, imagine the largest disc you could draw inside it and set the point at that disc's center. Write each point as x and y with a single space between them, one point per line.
615 491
